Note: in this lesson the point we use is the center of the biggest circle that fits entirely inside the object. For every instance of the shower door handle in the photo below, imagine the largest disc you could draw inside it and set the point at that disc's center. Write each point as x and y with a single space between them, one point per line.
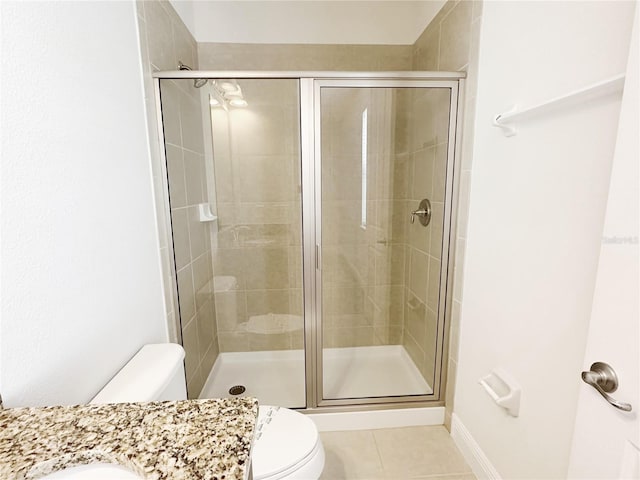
604 379
318 258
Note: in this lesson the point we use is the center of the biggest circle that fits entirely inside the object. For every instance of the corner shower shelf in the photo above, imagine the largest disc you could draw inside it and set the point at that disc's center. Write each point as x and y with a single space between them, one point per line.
605 87
206 213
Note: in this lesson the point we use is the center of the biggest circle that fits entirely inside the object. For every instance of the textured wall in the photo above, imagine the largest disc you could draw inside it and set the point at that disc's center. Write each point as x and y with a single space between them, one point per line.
81 289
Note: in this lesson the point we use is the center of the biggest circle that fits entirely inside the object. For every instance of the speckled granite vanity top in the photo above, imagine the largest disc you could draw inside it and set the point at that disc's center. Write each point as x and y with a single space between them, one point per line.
189 439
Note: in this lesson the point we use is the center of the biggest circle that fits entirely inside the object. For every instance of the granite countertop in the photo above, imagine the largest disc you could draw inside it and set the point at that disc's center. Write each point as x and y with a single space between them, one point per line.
187 439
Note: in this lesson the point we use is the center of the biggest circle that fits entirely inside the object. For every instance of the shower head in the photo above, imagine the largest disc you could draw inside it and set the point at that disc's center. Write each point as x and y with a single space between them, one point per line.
197 82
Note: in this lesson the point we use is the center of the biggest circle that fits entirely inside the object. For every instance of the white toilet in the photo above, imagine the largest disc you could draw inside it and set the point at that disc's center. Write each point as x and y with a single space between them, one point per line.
286 444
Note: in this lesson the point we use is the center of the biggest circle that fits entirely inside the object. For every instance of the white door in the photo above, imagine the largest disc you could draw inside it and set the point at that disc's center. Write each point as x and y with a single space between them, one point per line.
606 442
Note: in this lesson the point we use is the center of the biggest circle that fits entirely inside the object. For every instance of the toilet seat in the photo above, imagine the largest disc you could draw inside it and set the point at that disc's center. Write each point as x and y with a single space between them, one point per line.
286 446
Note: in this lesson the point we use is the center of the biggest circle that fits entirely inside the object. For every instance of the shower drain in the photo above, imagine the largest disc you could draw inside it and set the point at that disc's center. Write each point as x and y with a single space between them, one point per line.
237 390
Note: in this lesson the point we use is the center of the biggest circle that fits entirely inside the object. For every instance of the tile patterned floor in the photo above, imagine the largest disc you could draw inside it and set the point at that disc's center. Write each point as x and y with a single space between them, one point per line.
393 454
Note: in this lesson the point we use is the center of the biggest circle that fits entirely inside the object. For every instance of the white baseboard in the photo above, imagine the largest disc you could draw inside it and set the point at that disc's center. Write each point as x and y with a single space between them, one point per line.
392 418
473 454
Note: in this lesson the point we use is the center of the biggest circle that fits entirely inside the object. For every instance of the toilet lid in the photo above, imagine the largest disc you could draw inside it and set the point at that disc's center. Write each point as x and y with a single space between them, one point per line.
283 439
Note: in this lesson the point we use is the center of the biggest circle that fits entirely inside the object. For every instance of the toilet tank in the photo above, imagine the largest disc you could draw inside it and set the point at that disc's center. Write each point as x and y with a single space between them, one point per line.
155 373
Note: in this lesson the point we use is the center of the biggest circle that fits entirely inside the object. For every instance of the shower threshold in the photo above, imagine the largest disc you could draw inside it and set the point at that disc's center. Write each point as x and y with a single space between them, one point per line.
277 377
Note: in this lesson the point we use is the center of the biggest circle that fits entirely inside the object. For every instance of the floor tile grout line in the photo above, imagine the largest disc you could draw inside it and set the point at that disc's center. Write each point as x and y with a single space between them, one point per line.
375 442
443 475
373 437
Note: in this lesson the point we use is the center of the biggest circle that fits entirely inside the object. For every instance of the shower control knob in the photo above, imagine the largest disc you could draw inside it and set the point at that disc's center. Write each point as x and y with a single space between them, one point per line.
423 213
420 213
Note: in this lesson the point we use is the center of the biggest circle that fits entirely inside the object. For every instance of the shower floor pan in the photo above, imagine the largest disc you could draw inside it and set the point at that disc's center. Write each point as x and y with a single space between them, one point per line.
277 377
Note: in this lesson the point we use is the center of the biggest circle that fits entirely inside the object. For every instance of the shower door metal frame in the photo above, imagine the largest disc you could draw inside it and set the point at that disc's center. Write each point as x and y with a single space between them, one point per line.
446 268
310 83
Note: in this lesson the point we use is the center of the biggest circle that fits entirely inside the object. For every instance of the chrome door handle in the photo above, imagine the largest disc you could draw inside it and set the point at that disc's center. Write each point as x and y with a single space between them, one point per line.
604 379
423 212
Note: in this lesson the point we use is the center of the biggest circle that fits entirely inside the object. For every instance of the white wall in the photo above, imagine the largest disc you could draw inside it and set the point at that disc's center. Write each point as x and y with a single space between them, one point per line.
81 285
345 22
537 208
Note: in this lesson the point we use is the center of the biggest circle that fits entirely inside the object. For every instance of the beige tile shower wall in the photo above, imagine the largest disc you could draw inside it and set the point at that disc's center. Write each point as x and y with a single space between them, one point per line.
450 42
363 264
422 167
258 244
386 252
345 254
186 169
242 56
165 41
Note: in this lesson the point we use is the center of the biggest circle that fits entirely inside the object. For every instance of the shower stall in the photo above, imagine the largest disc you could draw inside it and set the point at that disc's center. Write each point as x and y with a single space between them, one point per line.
311 215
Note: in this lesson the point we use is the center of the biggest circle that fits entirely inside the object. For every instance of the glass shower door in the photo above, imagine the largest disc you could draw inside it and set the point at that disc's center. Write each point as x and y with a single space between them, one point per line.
385 148
233 167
